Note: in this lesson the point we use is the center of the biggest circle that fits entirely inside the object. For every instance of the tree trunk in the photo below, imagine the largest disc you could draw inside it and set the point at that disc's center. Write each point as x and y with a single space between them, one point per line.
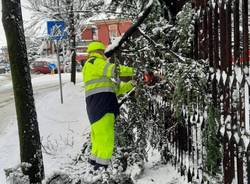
72 42
171 8
29 138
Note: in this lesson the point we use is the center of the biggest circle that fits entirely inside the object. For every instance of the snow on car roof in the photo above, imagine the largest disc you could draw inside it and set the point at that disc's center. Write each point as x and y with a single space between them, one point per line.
48 59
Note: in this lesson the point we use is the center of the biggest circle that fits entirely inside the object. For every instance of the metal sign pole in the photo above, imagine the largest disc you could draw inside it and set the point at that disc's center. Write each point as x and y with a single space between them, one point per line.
56 32
59 70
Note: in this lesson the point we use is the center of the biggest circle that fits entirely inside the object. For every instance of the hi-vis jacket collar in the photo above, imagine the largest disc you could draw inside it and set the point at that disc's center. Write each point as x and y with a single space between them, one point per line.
97 55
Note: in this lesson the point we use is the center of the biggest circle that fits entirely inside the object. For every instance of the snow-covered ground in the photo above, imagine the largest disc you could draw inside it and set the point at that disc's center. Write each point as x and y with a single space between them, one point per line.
63 128
156 173
61 125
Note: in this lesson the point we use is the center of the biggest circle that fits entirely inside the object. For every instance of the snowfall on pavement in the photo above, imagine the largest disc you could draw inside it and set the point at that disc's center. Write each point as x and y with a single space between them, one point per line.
63 130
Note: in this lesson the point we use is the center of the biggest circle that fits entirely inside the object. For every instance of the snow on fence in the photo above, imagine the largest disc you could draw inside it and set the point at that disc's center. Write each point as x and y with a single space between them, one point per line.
222 39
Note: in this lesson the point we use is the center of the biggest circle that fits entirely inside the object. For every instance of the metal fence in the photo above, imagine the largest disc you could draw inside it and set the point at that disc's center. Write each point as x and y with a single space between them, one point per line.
221 38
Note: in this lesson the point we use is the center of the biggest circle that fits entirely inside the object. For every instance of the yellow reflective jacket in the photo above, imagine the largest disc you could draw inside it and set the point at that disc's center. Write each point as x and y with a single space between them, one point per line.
97 73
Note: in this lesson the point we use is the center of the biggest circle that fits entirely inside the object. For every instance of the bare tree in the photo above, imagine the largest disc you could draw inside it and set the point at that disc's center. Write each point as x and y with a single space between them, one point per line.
29 138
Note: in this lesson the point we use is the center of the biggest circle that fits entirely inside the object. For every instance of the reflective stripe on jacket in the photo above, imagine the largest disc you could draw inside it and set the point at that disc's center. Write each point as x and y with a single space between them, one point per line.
97 74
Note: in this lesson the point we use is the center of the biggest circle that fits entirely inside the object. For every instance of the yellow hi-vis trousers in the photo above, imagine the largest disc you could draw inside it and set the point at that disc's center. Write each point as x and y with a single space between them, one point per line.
102 139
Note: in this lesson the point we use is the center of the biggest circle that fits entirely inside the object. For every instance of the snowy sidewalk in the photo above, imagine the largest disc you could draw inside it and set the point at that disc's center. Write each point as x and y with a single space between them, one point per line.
62 130
61 125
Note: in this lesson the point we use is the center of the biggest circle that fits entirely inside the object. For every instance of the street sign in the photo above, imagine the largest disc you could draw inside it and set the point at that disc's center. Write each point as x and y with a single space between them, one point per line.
56 30
52 66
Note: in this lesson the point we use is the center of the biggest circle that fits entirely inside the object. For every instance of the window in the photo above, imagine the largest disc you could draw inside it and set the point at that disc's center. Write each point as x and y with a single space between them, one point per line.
113 31
94 33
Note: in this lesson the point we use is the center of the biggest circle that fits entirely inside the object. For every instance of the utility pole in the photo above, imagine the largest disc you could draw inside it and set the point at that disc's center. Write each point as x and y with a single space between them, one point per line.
72 40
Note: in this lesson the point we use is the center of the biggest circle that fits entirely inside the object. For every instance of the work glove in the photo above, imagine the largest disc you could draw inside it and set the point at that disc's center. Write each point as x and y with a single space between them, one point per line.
148 78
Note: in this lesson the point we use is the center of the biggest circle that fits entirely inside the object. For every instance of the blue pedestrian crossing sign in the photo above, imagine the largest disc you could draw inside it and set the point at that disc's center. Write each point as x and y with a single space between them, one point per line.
56 30
52 66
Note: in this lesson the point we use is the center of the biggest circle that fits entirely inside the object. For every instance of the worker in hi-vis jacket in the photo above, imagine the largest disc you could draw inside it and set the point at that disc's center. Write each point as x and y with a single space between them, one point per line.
101 101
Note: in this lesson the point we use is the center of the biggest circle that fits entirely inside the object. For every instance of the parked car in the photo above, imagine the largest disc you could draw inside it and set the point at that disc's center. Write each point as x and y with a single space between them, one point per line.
43 67
7 67
40 67
2 69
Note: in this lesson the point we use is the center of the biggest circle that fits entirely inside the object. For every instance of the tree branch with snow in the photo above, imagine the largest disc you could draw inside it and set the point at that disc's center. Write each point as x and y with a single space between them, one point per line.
142 16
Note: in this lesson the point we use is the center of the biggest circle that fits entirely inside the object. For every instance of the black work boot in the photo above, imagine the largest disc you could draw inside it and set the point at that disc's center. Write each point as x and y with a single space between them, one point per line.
98 166
92 162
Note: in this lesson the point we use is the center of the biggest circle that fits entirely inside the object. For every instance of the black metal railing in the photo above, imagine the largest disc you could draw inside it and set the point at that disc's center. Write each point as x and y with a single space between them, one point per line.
222 39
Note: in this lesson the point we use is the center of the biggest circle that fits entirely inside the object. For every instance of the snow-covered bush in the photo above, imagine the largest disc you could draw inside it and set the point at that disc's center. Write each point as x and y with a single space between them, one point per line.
15 175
